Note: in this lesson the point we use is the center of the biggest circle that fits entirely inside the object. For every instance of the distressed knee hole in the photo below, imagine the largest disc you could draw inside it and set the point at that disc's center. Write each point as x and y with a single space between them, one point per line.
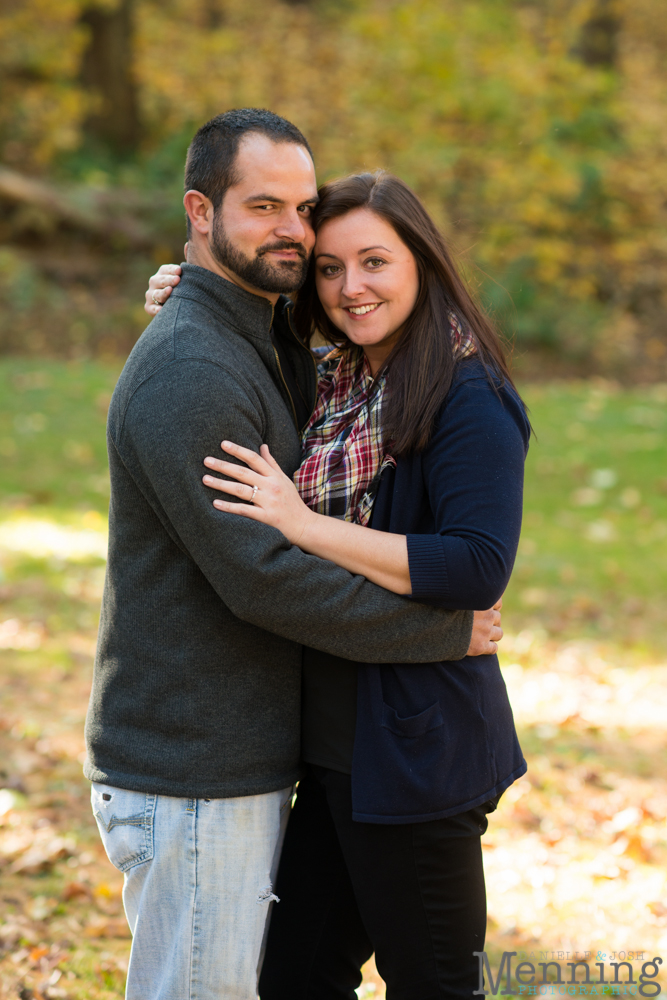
267 895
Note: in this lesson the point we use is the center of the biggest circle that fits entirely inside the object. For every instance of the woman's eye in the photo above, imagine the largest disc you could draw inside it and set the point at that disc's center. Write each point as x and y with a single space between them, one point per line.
375 262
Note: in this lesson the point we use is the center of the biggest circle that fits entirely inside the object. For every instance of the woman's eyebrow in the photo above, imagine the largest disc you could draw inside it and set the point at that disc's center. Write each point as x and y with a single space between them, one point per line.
365 250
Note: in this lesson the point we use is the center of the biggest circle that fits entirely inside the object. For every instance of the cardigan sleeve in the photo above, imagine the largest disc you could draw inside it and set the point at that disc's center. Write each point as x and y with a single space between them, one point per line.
473 473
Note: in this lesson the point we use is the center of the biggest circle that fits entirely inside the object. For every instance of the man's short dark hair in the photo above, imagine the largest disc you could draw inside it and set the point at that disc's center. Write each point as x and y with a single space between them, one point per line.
211 159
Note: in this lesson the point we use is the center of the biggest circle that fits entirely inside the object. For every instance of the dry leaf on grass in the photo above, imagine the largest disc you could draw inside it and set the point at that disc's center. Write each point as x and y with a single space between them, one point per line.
101 927
41 856
75 890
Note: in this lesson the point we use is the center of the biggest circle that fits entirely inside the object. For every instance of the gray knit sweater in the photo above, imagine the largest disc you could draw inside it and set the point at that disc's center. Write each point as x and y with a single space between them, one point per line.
196 691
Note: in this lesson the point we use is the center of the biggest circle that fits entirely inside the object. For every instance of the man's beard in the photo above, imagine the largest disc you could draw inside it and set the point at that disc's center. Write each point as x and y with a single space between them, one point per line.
281 276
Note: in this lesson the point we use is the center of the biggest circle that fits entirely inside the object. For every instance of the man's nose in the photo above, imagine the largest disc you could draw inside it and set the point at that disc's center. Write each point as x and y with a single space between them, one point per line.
293 227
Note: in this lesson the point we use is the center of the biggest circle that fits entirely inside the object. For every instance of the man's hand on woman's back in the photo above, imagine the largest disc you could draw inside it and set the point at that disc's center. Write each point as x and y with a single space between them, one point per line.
486 631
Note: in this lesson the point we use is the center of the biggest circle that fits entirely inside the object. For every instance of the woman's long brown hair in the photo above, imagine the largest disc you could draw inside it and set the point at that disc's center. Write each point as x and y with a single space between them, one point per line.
420 368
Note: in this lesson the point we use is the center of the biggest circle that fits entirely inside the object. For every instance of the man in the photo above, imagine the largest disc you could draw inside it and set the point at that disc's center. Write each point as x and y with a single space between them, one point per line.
193 725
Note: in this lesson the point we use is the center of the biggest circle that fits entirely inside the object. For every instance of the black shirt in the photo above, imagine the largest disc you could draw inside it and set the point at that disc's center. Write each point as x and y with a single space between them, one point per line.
329 691
301 408
328 710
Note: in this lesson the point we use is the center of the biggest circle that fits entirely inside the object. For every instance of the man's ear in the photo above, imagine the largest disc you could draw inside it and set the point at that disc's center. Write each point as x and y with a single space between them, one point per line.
200 211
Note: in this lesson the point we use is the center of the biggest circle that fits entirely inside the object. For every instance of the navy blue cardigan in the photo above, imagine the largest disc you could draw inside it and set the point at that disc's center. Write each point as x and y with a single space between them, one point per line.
436 739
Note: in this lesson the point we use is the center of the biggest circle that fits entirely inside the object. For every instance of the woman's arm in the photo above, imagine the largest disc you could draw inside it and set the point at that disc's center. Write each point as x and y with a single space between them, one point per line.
379 556
473 473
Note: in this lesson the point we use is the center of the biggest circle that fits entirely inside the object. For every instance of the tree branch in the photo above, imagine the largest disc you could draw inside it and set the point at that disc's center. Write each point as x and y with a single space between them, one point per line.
95 212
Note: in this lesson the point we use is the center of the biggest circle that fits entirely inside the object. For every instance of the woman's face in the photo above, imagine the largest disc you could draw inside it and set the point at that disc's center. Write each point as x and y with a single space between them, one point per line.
366 279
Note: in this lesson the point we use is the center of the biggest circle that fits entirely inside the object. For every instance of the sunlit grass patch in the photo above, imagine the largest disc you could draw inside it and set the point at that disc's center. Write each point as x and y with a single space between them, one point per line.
593 553
41 538
52 438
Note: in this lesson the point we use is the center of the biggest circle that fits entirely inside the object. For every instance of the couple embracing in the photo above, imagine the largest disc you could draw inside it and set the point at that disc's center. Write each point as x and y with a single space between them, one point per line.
296 551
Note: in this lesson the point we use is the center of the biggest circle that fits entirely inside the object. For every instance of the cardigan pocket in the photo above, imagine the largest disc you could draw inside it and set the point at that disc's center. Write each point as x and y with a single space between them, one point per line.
412 725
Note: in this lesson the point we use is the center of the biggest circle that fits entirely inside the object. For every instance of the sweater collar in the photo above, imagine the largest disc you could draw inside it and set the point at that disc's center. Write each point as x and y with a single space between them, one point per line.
250 315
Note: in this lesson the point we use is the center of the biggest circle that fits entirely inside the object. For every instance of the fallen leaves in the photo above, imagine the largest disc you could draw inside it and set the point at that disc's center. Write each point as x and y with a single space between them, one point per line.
104 927
575 680
577 849
37 853
75 890
40 970
15 635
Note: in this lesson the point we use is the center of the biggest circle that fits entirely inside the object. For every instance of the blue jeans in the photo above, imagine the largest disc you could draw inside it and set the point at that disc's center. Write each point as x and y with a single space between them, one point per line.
198 887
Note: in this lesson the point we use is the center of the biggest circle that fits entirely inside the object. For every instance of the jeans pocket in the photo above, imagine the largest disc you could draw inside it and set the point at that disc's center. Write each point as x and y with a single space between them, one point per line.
412 725
125 822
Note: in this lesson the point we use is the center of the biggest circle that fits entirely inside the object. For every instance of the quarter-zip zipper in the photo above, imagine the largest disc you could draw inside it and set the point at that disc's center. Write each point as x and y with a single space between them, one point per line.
280 372
303 348
289 394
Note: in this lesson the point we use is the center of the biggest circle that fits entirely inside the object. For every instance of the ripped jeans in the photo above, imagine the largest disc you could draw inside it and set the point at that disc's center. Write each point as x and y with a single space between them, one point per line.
198 887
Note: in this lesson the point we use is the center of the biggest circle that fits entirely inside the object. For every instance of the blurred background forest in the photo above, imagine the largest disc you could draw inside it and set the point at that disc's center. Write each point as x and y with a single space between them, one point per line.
535 132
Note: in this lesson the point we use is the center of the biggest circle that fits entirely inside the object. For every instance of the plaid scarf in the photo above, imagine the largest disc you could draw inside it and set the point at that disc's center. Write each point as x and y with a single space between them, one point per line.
343 454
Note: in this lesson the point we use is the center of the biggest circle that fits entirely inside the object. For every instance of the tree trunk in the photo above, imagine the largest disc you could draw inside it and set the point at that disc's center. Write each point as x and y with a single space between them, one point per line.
598 44
107 71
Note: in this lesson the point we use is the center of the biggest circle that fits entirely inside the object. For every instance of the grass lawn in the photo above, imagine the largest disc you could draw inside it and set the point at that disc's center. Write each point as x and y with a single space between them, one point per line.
575 855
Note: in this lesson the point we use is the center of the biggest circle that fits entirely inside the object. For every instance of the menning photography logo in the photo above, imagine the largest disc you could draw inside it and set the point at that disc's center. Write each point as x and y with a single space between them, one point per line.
550 976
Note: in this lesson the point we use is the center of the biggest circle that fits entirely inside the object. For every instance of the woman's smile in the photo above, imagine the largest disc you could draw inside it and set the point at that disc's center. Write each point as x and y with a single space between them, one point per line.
360 311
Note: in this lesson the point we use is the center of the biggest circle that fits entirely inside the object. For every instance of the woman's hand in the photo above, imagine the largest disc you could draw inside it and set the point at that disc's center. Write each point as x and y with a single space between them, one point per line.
275 500
380 556
160 286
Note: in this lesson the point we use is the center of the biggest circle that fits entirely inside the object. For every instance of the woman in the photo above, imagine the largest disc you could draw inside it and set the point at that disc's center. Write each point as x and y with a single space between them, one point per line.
418 429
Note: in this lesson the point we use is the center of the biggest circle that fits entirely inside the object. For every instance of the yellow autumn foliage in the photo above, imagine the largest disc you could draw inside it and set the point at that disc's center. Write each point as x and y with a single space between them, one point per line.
545 168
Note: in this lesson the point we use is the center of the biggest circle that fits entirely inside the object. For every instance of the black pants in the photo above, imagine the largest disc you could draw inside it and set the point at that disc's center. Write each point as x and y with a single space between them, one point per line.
412 893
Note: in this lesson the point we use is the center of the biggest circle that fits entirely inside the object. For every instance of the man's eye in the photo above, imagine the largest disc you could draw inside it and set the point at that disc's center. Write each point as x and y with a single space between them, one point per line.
305 209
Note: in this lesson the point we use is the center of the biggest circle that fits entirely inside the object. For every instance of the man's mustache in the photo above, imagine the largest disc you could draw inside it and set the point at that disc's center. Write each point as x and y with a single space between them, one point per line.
283 245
